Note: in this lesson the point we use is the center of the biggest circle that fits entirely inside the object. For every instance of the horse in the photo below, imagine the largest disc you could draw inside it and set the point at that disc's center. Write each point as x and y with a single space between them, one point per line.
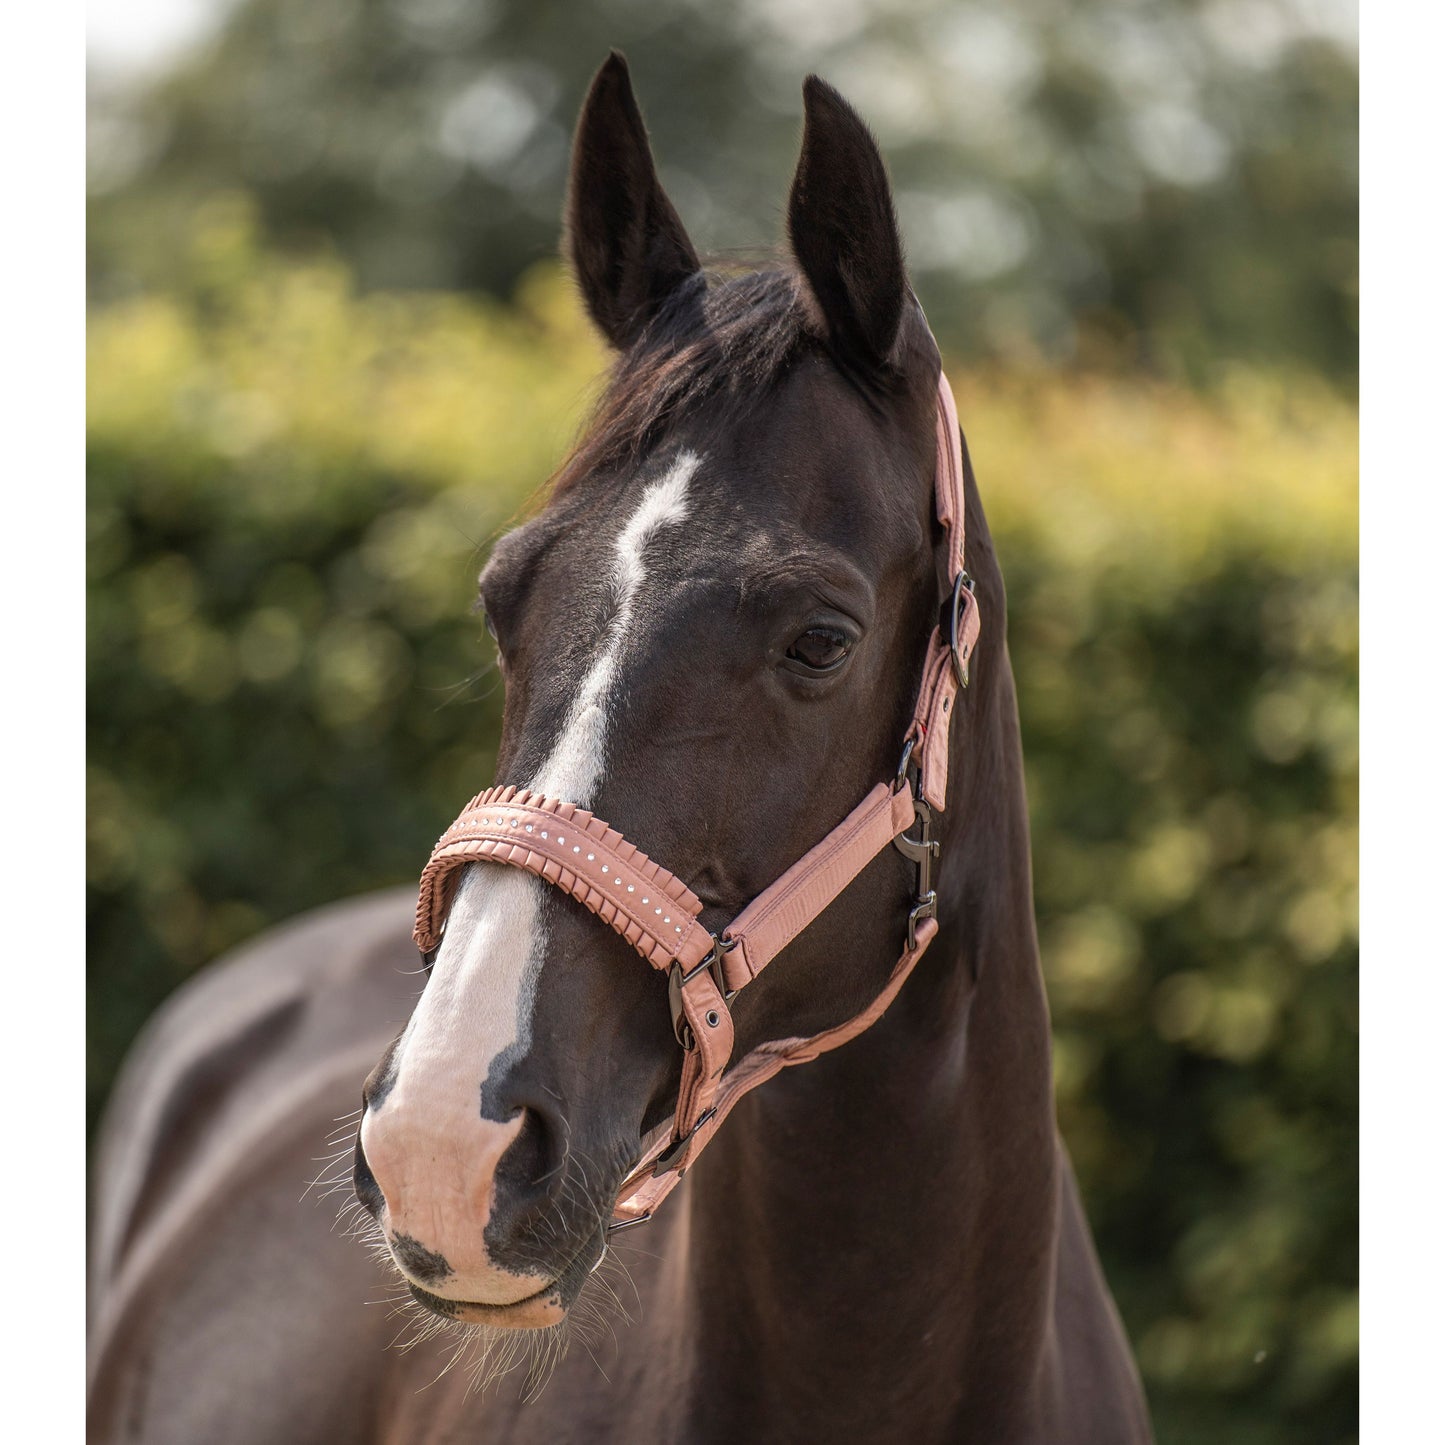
712 634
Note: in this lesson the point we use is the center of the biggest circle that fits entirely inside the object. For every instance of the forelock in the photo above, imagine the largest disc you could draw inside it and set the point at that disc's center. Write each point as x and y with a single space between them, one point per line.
724 339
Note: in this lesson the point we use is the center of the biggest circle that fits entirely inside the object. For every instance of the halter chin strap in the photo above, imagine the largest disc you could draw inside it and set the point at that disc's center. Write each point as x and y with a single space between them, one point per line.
658 914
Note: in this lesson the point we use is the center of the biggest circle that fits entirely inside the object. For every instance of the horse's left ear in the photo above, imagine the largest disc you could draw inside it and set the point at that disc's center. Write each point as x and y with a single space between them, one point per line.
627 247
843 230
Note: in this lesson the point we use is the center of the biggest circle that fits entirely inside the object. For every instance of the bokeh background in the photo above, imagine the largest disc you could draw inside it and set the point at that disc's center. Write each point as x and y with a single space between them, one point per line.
332 354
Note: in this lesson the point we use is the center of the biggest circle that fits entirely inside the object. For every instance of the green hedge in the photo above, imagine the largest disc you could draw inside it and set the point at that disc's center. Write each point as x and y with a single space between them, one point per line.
291 492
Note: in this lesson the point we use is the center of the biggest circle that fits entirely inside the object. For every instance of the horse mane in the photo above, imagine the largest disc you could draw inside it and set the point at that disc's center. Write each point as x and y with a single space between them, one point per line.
725 337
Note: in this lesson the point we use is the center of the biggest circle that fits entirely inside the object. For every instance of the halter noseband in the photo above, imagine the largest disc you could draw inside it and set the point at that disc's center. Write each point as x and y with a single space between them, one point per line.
657 913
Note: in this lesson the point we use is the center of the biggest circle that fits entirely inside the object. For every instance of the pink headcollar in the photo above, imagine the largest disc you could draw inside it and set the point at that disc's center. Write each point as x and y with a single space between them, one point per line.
658 914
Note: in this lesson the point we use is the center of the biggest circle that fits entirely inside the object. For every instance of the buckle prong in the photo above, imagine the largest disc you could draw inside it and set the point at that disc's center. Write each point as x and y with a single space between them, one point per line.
617 1226
667 1160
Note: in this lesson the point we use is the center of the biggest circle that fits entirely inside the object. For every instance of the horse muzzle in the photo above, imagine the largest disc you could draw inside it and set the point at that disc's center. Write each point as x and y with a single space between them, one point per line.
472 1245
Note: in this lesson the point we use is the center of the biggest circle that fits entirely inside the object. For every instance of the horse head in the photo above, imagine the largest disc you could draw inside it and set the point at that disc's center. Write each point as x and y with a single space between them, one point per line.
712 636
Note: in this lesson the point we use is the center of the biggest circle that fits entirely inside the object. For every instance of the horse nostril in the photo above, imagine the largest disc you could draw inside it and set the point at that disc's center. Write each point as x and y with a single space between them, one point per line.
363 1181
536 1153
534 1158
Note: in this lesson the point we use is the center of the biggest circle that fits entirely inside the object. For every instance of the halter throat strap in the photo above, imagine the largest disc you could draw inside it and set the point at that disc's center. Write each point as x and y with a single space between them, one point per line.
659 915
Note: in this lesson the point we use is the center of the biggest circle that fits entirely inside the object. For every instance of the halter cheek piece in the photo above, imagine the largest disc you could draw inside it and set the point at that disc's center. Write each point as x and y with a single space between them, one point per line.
657 913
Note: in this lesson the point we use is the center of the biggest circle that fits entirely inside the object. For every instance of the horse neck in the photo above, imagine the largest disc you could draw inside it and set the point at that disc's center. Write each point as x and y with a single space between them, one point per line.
889 1212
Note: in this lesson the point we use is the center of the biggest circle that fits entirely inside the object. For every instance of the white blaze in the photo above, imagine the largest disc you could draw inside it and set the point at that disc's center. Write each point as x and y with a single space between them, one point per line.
483 983
574 768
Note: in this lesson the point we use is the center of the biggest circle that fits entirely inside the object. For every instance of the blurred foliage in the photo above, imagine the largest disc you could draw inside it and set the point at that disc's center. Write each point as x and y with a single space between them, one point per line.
292 487
1183 626
1170 181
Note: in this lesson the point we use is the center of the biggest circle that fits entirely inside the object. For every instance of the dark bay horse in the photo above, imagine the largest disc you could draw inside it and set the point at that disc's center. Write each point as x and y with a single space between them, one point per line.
712 636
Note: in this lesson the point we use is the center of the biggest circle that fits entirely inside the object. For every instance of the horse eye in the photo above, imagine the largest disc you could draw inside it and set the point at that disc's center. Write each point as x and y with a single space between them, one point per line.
489 624
820 649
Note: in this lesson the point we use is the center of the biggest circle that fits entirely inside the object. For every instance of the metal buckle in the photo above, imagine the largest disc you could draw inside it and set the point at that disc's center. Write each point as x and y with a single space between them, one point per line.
667 1160
922 851
960 663
900 778
676 979
617 1226
926 907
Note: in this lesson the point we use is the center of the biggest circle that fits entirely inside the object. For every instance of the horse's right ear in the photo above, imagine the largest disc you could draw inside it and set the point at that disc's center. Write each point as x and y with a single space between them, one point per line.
625 242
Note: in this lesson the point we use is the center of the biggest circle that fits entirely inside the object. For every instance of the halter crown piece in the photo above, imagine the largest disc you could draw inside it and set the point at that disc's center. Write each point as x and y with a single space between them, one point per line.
657 913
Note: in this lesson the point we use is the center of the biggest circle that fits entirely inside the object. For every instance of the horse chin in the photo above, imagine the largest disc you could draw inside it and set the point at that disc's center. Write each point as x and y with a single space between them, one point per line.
537 1312
548 1306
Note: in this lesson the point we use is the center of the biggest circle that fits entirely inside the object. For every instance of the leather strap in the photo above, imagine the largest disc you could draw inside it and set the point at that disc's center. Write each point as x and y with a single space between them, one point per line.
948 490
942 666
655 911
659 915
645 1189
784 909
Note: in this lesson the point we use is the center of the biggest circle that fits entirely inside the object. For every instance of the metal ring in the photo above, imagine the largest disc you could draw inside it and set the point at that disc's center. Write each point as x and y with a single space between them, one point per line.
900 778
677 980
960 663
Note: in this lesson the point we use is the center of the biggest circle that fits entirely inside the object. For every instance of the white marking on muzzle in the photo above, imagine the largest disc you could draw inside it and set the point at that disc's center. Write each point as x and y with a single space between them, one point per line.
479 999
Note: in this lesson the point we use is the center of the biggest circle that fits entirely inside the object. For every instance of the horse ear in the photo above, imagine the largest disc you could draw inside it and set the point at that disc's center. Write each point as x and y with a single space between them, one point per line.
843 230
626 245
